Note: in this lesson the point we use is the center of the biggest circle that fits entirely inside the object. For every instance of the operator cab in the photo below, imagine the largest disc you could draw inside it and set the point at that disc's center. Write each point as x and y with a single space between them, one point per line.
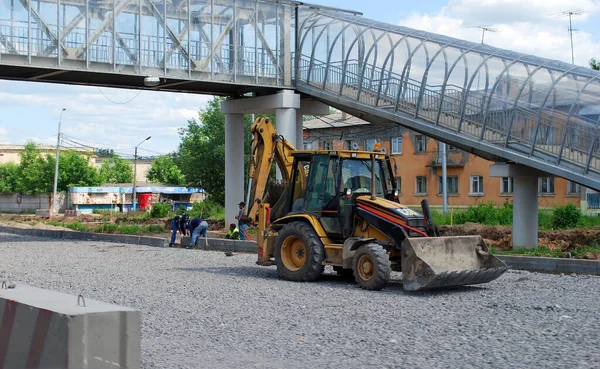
326 184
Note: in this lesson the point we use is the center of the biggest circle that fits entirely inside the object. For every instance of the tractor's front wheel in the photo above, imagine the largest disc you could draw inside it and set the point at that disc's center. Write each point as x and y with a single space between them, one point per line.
371 266
299 253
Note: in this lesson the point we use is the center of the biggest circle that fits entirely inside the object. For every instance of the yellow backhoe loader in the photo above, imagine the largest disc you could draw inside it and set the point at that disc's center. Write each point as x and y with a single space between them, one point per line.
341 208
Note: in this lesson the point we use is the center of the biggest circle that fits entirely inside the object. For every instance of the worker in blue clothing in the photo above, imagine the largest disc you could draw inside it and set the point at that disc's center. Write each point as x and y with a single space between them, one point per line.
242 226
175 226
184 224
197 227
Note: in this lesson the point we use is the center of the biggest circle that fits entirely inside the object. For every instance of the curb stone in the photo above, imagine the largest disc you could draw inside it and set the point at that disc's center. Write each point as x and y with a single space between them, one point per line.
542 264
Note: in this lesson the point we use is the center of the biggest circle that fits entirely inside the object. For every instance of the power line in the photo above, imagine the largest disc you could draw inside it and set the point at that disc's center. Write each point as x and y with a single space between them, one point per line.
120 103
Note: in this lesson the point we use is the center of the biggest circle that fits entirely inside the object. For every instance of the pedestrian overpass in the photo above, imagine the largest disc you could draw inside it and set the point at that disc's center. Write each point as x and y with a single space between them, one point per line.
501 105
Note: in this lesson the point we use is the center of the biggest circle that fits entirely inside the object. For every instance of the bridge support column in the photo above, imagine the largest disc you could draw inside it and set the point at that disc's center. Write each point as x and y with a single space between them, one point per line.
287 106
286 123
234 165
525 213
525 202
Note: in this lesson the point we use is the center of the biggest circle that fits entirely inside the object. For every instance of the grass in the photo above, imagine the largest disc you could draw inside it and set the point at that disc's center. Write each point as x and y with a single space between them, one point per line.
107 227
577 252
488 214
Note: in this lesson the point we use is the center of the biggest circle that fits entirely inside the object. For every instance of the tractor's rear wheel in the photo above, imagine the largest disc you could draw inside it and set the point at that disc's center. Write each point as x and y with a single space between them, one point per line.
299 253
371 266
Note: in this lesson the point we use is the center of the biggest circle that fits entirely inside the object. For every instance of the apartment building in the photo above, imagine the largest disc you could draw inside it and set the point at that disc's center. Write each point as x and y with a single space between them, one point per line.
417 164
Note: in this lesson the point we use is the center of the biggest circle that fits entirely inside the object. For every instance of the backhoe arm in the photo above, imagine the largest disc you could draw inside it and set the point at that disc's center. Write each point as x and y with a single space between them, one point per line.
267 146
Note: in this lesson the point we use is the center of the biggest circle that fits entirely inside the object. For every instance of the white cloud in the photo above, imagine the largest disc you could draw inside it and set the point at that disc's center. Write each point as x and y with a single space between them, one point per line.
94 120
527 26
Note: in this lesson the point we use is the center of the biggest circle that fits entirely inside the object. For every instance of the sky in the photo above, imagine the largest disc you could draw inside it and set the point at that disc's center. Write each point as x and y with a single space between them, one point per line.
120 119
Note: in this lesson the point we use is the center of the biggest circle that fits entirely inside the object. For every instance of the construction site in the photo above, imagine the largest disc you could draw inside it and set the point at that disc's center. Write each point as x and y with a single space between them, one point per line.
320 264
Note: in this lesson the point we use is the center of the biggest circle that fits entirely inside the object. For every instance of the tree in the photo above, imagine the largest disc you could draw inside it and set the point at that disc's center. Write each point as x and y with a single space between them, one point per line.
32 173
164 170
8 178
116 170
105 153
73 171
595 64
201 152
35 173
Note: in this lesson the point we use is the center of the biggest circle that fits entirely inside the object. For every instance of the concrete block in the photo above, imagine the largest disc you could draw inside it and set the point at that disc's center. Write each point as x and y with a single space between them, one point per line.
246 246
529 262
577 266
49 233
153 241
43 213
47 329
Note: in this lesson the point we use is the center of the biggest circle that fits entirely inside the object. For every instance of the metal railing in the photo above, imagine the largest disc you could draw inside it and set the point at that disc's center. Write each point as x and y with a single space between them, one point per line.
513 126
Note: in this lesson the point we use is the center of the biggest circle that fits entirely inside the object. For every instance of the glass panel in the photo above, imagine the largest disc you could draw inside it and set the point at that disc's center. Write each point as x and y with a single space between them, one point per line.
356 174
320 187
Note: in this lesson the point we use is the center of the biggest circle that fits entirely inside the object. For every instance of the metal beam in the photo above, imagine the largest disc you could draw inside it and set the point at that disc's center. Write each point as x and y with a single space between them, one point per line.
66 31
7 44
44 25
106 22
168 30
217 44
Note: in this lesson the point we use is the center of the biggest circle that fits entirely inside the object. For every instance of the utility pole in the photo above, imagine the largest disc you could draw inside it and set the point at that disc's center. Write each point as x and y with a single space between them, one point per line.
442 150
54 209
570 14
135 170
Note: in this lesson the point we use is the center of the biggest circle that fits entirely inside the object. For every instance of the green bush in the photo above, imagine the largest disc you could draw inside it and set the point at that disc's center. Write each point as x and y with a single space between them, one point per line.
153 228
77 226
106 227
565 217
207 209
129 229
160 210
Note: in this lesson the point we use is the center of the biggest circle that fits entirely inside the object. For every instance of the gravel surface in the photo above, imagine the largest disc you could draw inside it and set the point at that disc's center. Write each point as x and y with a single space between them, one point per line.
205 310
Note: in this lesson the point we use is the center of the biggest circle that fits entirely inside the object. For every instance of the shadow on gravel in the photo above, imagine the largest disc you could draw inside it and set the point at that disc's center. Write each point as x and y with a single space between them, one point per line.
332 280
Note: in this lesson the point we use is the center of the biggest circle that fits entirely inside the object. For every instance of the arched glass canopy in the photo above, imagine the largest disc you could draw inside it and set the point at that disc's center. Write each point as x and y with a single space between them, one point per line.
532 106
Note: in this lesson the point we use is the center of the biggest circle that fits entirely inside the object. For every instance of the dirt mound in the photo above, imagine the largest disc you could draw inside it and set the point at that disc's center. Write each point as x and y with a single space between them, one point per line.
495 233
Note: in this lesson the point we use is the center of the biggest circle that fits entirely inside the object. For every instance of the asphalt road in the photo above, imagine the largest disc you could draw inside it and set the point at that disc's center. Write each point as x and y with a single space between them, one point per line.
205 310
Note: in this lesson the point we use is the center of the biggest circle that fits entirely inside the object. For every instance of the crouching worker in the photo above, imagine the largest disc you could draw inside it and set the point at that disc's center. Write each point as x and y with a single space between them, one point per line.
233 233
198 227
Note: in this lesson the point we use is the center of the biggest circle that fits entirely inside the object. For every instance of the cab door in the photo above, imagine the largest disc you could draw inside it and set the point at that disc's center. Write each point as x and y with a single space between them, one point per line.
323 194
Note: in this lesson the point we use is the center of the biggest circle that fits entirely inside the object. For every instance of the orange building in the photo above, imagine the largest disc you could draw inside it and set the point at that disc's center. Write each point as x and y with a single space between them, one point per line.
417 164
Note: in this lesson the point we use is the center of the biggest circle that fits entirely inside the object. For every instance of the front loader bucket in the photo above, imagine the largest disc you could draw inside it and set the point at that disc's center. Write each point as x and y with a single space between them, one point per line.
432 262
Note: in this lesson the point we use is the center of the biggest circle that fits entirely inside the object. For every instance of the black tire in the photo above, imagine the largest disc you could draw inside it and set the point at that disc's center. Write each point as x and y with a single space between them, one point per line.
344 273
299 253
371 266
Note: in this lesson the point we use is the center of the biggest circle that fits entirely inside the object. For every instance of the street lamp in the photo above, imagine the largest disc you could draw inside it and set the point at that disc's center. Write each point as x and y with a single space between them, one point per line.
54 210
135 169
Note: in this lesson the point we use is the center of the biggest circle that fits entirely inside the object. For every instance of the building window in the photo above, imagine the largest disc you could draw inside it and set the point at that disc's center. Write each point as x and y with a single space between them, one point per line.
451 185
476 185
370 144
396 145
351 145
328 145
421 185
546 185
307 145
420 144
399 184
507 184
573 188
